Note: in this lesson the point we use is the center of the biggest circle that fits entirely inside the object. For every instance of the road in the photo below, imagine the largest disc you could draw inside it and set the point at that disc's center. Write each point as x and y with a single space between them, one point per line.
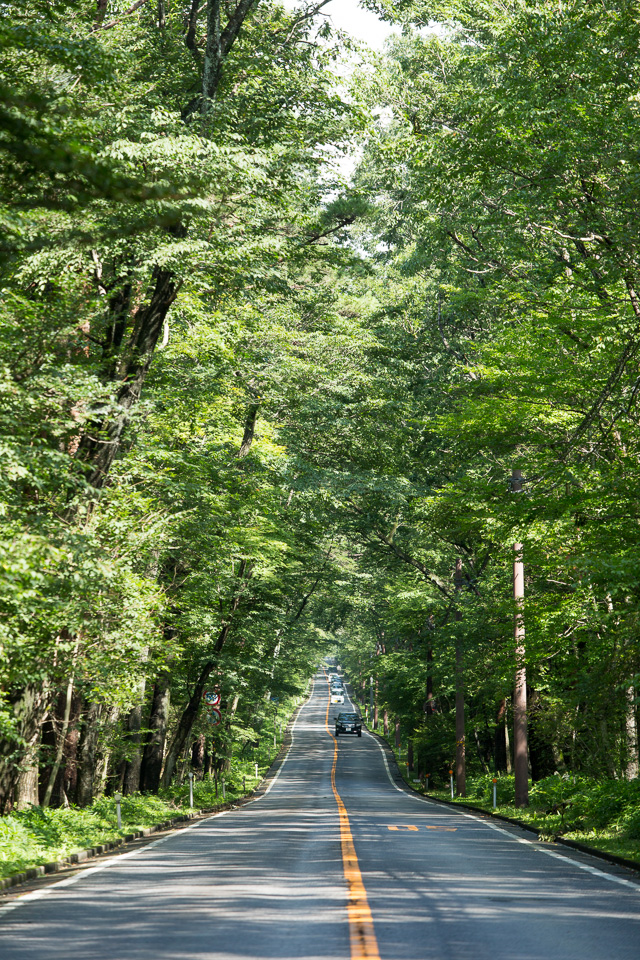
334 861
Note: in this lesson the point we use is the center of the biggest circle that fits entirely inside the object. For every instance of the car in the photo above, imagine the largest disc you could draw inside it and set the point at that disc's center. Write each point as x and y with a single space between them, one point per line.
348 723
337 696
337 685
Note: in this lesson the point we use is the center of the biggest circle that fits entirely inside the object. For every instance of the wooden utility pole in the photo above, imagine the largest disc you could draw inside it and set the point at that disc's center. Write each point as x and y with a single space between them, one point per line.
520 759
461 785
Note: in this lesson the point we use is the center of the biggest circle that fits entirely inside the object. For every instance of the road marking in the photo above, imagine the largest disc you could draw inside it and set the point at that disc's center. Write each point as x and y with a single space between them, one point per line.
293 727
492 826
449 829
362 936
402 826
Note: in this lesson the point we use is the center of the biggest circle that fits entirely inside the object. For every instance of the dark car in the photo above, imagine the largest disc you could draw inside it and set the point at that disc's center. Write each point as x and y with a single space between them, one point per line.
348 723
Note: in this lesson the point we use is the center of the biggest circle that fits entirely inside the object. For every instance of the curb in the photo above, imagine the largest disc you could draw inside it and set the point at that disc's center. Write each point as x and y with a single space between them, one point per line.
55 866
572 844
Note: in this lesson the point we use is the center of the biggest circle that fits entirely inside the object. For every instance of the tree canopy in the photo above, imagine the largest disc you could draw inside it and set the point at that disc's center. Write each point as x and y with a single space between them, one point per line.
254 411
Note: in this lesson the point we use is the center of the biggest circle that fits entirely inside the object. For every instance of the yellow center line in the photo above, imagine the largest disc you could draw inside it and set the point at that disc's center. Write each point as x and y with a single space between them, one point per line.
364 945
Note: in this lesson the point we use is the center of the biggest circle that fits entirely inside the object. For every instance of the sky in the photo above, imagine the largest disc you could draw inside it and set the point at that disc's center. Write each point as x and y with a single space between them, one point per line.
349 16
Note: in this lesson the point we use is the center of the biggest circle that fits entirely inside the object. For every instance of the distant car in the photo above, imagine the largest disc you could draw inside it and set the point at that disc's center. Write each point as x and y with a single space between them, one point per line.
348 723
337 696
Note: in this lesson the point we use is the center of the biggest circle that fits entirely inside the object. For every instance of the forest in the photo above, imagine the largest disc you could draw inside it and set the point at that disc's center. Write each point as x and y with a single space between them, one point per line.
302 349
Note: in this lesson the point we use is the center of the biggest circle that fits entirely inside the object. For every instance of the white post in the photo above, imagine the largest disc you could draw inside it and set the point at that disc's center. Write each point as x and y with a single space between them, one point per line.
256 766
495 804
427 779
118 798
191 789
451 781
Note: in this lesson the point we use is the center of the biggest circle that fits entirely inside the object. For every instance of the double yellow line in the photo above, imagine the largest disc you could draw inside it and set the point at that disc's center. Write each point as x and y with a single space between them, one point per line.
362 936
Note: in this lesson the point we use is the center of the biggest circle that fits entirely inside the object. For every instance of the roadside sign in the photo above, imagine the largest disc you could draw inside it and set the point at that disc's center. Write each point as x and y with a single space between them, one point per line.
211 697
215 716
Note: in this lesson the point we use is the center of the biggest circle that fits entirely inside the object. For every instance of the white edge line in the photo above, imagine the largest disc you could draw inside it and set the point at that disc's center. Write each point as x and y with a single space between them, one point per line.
281 767
492 826
68 881
82 874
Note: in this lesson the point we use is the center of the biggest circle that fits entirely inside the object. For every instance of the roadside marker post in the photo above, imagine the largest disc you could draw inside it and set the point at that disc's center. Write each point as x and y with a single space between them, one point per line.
191 788
495 804
451 781
256 766
427 775
118 798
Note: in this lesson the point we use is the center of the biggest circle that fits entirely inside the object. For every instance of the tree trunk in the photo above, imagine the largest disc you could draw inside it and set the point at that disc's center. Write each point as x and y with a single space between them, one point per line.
397 733
385 722
219 44
29 707
428 706
100 445
375 706
27 786
190 712
461 760
131 781
631 730
198 751
88 749
153 753
62 734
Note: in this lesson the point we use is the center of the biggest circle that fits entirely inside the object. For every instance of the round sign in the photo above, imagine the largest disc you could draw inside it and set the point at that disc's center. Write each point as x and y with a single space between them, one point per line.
215 716
211 697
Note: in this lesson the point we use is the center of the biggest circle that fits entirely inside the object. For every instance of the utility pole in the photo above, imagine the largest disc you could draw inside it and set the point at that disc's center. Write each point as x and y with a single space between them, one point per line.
520 760
461 786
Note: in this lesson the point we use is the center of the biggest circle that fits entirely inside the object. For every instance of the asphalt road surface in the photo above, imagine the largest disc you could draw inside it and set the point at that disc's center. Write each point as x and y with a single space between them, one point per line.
335 861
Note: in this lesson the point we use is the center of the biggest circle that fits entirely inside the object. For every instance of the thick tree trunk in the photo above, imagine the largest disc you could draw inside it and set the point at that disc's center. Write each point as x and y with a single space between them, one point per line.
631 730
27 786
131 781
88 750
29 707
99 447
153 753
